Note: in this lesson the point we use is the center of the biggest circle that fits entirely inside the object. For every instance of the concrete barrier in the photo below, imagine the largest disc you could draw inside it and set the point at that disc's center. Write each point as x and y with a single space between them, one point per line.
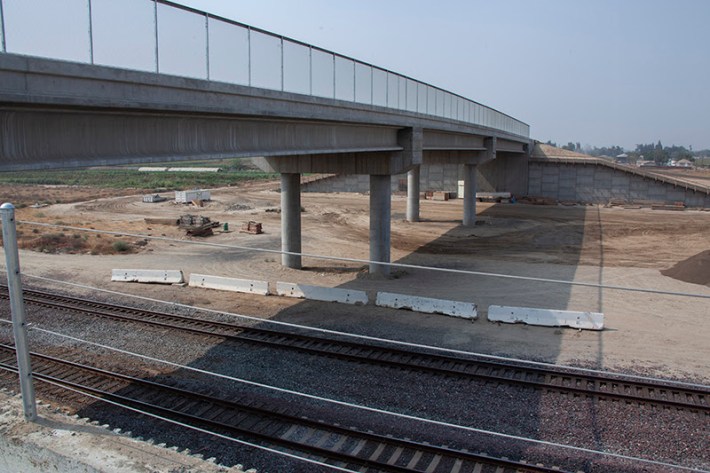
546 317
318 293
427 305
159 276
247 286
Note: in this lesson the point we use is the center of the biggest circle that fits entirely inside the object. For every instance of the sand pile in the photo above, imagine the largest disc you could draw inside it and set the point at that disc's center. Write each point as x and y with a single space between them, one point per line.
695 269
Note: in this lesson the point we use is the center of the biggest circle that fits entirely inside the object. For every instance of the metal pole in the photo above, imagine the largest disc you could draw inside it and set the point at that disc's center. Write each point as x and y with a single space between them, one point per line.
416 91
335 95
372 85
155 18
249 53
387 88
2 28
17 306
310 70
282 63
207 44
91 35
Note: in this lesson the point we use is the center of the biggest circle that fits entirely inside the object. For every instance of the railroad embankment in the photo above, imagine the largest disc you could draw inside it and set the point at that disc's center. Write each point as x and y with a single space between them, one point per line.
56 442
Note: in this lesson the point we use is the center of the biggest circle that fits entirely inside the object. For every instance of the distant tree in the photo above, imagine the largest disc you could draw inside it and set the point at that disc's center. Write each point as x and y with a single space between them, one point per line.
676 153
611 151
570 146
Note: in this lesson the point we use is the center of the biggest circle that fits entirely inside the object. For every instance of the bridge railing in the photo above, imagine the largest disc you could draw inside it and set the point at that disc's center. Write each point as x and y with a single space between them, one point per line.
164 37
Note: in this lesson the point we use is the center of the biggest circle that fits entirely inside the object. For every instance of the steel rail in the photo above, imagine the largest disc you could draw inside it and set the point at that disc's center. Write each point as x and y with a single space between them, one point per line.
564 380
265 423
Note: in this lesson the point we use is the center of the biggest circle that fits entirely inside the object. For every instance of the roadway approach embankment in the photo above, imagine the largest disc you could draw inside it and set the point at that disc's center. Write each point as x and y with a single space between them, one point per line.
566 176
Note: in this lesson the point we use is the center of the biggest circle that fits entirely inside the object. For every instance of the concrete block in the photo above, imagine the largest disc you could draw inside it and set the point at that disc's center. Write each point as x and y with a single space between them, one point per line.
155 276
318 293
427 305
546 317
246 286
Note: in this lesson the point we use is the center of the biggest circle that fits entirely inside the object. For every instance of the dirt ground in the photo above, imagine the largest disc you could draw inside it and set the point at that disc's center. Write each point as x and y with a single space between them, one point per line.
645 332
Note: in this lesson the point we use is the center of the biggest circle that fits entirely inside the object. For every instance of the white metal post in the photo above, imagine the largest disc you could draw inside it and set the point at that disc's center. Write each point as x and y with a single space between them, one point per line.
17 306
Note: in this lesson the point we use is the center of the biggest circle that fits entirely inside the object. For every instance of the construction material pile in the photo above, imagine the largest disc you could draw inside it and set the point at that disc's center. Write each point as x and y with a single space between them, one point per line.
197 225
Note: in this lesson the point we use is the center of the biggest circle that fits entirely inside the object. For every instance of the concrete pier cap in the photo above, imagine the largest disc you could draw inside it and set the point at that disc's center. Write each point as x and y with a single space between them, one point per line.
401 152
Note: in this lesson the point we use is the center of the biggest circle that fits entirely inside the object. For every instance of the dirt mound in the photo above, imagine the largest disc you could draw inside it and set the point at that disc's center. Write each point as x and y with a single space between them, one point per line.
695 269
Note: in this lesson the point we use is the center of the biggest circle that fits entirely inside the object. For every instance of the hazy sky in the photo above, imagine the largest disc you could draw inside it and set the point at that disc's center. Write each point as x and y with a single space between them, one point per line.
601 72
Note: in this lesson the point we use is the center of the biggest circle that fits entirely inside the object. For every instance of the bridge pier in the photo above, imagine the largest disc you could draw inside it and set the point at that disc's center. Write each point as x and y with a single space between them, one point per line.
380 212
413 194
469 195
291 219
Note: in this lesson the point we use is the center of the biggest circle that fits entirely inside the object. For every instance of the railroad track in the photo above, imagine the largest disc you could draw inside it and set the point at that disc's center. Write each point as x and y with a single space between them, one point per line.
356 449
564 380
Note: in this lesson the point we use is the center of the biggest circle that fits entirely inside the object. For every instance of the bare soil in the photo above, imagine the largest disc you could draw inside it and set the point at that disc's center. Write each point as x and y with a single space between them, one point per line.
695 269
645 332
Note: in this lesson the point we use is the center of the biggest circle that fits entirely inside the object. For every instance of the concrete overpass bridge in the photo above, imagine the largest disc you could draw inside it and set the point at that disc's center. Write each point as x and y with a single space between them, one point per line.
75 91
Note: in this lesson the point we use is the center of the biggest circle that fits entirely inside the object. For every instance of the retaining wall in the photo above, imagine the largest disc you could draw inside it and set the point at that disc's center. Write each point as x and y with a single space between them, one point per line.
507 173
592 181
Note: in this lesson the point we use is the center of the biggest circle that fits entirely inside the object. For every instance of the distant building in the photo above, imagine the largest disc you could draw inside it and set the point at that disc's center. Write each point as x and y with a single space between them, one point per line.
684 163
622 158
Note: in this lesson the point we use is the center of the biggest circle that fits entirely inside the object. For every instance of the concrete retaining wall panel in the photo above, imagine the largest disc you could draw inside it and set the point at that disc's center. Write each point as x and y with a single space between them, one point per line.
546 317
246 286
599 184
427 305
325 294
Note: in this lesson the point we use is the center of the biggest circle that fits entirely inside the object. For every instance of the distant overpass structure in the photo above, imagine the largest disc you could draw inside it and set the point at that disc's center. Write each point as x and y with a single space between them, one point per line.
100 82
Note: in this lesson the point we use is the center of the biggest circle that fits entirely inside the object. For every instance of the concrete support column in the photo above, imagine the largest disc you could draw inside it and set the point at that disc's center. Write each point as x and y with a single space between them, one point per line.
413 194
380 210
291 219
469 195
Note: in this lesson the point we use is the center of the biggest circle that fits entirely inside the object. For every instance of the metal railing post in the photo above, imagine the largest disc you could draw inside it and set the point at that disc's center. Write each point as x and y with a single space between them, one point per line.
17 306
91 34
155 23
207 45
282 64
249 55
335 84
2 28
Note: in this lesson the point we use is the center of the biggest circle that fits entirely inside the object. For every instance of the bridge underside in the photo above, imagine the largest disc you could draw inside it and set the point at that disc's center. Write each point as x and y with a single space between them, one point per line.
63 115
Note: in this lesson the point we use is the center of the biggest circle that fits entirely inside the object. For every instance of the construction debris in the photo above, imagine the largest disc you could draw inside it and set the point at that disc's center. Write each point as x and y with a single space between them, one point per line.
532 200
152 198
252 227
162 221
673 206
197 225
437 195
